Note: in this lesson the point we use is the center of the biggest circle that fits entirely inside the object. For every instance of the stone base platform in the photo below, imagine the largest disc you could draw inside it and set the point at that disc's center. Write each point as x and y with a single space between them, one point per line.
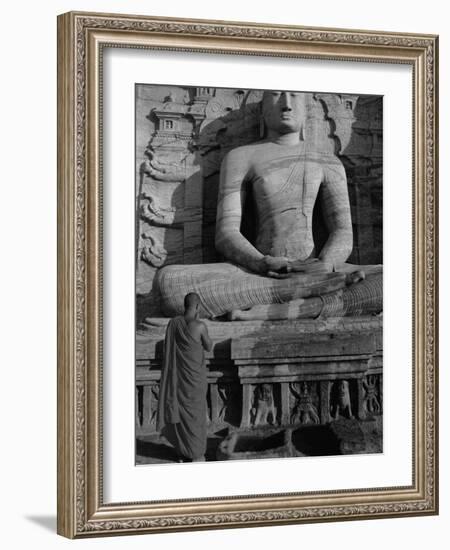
339 437
265 375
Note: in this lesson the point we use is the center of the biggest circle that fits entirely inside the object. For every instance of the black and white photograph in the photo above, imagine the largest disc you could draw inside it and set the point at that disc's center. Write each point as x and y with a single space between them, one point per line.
259 274
221 292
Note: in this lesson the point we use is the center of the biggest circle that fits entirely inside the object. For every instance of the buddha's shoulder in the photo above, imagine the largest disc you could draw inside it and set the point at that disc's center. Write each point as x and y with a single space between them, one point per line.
327 164
247 152
262 150
325 159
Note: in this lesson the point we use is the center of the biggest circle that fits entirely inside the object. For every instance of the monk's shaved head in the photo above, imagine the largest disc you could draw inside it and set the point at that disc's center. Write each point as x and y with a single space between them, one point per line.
191 301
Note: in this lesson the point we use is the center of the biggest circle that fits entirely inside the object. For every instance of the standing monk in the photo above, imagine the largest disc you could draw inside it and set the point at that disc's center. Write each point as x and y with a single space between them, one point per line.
182 401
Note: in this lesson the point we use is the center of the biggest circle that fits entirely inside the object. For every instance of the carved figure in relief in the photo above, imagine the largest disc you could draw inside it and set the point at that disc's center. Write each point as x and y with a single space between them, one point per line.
152 213
264 406
342 403
154 403
162 171
262 279
371 403
153 253
304 411
225 397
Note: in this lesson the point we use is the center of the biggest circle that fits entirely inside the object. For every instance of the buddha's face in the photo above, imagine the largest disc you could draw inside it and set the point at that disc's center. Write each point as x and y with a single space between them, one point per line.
284 112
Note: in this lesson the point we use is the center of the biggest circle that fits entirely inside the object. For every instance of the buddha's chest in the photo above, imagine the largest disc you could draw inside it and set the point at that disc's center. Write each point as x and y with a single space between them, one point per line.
285 184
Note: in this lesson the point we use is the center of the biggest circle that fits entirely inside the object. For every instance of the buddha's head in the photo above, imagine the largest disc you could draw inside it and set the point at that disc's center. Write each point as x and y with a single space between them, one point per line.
284 112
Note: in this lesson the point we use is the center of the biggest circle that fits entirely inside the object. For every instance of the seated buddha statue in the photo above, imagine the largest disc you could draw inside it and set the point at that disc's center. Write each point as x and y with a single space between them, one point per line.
280 275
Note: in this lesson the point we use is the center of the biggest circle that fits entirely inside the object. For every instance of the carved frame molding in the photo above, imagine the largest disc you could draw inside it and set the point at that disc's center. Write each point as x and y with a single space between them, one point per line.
81 37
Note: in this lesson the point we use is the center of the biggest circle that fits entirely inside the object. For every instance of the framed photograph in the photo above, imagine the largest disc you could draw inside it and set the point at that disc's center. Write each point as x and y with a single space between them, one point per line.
247 287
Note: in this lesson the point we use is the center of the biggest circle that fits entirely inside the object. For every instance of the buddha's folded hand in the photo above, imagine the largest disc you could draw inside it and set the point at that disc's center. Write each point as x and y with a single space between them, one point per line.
275 266
310 266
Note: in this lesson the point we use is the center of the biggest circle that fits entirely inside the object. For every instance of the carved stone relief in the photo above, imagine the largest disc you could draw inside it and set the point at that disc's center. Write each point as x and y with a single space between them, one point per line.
304 410
263 411
225 395
340 400
152 252
154 396
372 398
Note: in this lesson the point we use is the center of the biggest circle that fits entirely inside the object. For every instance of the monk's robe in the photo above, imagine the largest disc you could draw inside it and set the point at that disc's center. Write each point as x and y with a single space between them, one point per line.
182 396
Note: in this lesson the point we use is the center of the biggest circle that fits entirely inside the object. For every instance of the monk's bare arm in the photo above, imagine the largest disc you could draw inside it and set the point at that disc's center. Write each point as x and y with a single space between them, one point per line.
337 215
229 240
206 340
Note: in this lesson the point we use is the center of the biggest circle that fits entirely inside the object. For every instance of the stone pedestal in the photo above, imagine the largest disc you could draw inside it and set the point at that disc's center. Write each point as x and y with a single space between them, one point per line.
304 380
264 375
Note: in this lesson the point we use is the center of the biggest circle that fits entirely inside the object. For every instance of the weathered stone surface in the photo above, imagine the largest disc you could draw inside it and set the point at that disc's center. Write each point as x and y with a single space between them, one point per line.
280 264
350 436
263 376
286 347
251 444
151 333
182 135
311 439
259 387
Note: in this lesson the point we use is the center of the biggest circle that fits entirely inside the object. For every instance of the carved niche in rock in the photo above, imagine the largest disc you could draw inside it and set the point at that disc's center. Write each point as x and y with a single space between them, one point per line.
263 410
304 411
340 400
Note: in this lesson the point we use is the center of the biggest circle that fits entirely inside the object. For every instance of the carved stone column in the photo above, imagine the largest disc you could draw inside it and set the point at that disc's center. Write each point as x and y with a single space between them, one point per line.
324 389
246 405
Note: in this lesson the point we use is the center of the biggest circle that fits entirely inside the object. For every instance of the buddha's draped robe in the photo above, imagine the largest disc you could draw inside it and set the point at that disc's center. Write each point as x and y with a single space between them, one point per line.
224 287
287 184
182 399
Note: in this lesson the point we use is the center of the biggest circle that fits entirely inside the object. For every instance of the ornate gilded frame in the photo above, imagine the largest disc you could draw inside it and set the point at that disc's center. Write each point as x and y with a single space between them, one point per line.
81 36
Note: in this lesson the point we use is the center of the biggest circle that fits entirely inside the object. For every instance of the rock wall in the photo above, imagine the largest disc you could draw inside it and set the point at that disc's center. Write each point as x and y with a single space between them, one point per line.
182 135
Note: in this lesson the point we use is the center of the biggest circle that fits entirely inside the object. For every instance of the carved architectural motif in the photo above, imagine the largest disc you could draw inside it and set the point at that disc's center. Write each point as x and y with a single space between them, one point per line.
304 410
245 394
341 403
225 395
147 395
373 395
263 410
